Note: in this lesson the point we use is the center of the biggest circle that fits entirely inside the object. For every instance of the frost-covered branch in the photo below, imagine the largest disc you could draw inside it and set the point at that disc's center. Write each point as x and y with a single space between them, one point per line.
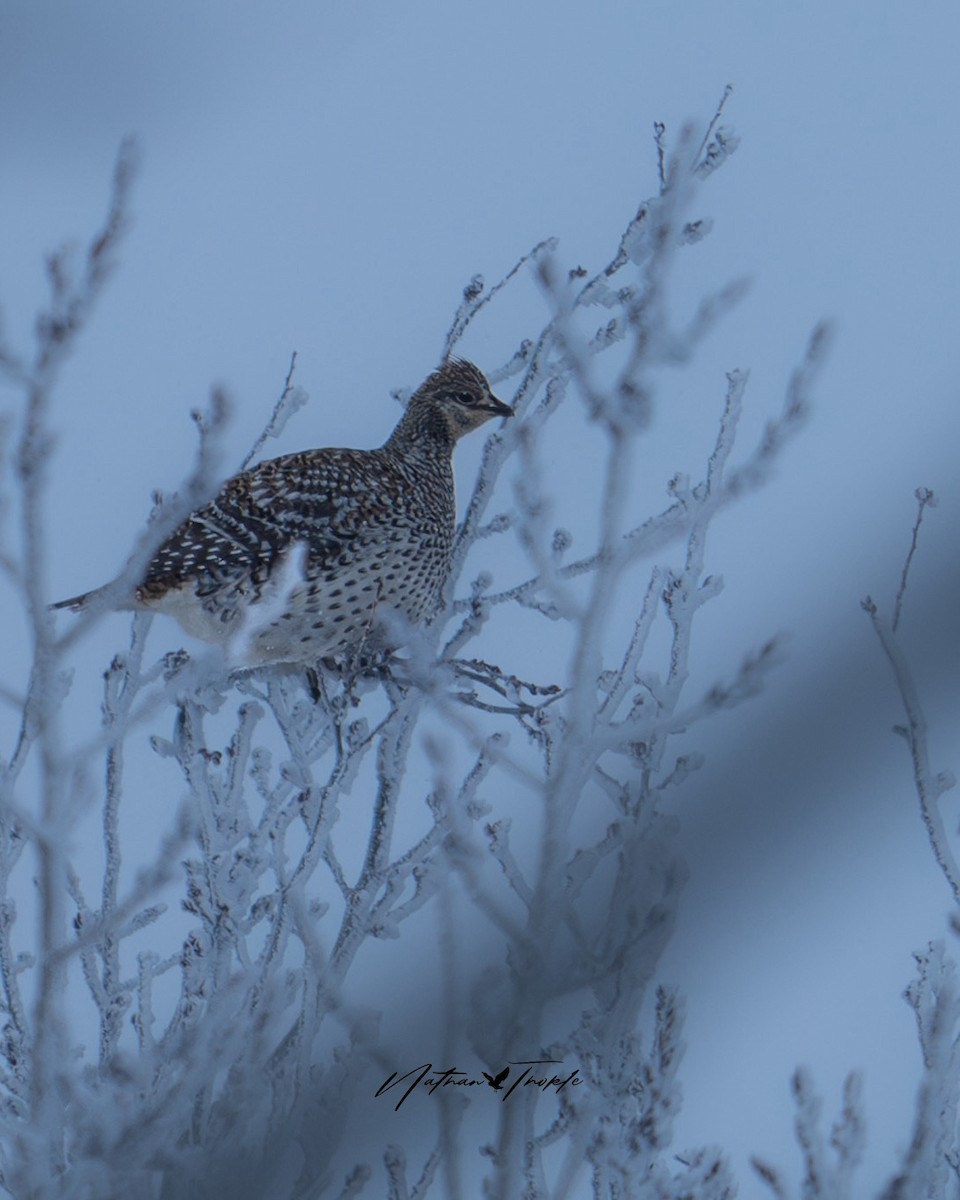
929 786
930 1165
334 811
829 1167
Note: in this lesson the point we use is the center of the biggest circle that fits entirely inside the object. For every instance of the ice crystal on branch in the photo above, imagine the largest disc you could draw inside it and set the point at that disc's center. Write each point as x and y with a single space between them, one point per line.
332 814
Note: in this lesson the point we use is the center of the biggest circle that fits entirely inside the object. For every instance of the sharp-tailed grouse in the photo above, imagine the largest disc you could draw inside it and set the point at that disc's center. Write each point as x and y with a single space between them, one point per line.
296 558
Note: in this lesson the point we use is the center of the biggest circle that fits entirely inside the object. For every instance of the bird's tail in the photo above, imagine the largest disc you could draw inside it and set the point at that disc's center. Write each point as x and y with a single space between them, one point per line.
76 603
107 593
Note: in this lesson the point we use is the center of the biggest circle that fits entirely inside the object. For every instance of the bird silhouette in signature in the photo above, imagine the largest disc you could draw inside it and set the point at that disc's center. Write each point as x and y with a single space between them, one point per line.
497 1083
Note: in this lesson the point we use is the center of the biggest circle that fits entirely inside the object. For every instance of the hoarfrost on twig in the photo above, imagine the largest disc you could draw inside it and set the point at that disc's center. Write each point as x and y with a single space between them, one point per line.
301 854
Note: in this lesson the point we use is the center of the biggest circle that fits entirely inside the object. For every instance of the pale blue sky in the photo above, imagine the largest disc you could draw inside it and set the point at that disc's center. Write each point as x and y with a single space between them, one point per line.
326 178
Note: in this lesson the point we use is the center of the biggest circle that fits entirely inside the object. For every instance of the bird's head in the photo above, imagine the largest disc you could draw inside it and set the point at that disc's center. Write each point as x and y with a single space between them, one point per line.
460 396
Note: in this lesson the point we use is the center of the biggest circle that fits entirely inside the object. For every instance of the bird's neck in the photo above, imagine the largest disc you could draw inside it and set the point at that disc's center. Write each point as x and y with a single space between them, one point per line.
422 429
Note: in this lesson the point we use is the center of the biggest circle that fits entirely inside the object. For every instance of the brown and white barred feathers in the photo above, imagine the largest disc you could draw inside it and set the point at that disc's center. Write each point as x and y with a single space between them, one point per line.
294 559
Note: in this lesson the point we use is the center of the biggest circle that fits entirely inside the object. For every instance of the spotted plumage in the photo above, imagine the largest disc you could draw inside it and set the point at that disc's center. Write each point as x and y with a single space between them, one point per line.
296 559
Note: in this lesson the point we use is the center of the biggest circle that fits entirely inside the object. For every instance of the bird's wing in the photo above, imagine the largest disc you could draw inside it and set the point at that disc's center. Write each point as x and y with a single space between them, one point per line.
323 499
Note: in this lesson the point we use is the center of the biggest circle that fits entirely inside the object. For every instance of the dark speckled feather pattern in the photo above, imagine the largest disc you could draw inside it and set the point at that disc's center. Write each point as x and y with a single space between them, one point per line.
374 529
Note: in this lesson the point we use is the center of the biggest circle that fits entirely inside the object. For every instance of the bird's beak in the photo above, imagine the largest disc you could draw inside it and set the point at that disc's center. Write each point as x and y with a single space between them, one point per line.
497 407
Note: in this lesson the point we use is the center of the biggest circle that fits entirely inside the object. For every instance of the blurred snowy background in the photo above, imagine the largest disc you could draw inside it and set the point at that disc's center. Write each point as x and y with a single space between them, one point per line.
326 178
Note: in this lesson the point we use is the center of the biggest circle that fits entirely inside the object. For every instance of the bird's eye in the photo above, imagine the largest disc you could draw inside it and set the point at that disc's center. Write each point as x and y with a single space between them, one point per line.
467 398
